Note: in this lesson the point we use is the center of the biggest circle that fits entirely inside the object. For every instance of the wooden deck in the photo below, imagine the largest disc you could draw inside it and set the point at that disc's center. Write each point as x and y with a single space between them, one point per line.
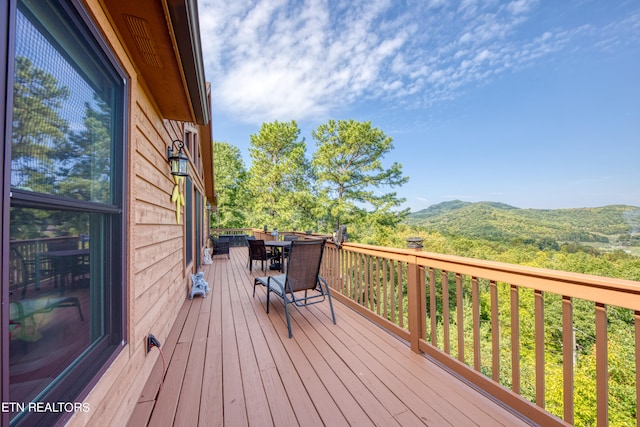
229 363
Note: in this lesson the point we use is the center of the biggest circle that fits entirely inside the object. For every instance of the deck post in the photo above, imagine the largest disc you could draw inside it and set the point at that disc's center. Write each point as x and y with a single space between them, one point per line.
415 302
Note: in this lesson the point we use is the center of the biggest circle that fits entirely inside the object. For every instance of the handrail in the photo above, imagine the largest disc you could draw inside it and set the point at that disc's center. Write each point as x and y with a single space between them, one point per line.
611 291
425 297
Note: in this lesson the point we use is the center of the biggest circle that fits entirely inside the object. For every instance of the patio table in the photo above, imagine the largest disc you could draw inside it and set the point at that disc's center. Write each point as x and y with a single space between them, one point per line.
281 245
63 262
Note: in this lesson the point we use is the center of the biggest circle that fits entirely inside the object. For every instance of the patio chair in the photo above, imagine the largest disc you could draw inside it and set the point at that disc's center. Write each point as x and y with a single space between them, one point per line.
290 238
246 243
22 315
22 271
257 252
220 247
302 284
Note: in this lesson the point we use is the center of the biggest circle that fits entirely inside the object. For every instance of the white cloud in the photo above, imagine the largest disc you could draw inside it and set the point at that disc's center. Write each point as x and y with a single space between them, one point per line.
521 6
286 59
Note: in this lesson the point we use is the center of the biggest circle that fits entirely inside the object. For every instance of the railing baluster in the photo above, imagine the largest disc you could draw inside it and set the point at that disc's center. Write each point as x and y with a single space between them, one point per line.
360 282
475 298
339 273
400 297
445 311
392 293
636 321
378 300
515 339
602 366
423 302
568 361
385 284
414 305
460 317
434 311
357 283
495 332
353 276
349 263
344 268
539 331
371 282
365 285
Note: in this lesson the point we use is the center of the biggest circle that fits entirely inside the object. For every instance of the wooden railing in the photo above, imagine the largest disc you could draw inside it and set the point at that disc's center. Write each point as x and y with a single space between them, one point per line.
450 308
268 235
22 258
231 231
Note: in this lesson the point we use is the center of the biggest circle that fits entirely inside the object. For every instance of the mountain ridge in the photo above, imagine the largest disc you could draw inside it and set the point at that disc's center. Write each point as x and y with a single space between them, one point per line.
500 221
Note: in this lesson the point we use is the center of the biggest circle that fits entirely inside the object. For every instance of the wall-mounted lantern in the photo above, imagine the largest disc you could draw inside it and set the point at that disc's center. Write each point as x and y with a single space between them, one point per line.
178 161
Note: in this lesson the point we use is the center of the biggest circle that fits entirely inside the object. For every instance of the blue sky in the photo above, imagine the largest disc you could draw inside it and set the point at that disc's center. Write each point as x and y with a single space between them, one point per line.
527 102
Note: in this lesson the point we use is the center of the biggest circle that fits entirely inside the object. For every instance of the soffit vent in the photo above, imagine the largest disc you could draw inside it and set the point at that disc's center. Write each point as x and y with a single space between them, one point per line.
139 29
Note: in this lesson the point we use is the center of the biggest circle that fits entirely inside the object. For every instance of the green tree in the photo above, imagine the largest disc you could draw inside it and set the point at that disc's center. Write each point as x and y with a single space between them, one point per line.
230 177
38 132
348 164
85 157
280 178
37 128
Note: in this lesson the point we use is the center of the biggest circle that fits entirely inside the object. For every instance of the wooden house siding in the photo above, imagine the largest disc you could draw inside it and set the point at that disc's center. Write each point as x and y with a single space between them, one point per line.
157 278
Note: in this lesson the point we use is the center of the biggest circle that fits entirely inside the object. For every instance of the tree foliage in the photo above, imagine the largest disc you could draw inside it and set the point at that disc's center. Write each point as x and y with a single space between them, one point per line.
349 170
280 178
497 221
49 156
85 157
38 130
230 177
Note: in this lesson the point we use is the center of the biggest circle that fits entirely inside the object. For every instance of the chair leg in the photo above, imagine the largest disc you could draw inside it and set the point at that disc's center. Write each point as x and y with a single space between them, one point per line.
326 285
286 311
268 293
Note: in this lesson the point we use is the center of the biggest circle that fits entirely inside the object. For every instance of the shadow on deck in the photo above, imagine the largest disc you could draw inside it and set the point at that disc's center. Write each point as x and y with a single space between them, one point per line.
229 363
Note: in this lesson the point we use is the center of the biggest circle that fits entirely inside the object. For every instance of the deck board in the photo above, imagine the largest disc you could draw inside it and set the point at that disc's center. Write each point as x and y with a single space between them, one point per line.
232 364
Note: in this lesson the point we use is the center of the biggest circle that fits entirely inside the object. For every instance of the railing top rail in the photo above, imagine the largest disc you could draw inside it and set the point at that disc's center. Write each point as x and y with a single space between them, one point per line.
620 292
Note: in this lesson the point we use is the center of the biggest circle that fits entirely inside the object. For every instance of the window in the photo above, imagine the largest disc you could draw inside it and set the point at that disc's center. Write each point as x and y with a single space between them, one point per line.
188 142
199 244
65 293
188 221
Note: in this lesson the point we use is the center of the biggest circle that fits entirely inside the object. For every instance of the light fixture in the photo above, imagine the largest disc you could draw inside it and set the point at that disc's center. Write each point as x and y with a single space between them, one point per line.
178 161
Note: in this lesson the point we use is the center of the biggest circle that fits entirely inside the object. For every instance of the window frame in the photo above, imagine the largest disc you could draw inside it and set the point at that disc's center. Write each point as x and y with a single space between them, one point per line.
188 221
76 383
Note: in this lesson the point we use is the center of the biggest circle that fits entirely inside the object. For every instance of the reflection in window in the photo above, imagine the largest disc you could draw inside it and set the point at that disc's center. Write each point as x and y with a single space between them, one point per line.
54 295
62 130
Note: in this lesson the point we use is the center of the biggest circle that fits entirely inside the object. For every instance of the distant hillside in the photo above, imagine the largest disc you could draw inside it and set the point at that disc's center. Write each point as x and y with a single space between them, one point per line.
498 221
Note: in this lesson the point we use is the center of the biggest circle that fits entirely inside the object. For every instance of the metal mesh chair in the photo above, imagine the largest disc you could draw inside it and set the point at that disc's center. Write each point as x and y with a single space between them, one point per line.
302 284
257 252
